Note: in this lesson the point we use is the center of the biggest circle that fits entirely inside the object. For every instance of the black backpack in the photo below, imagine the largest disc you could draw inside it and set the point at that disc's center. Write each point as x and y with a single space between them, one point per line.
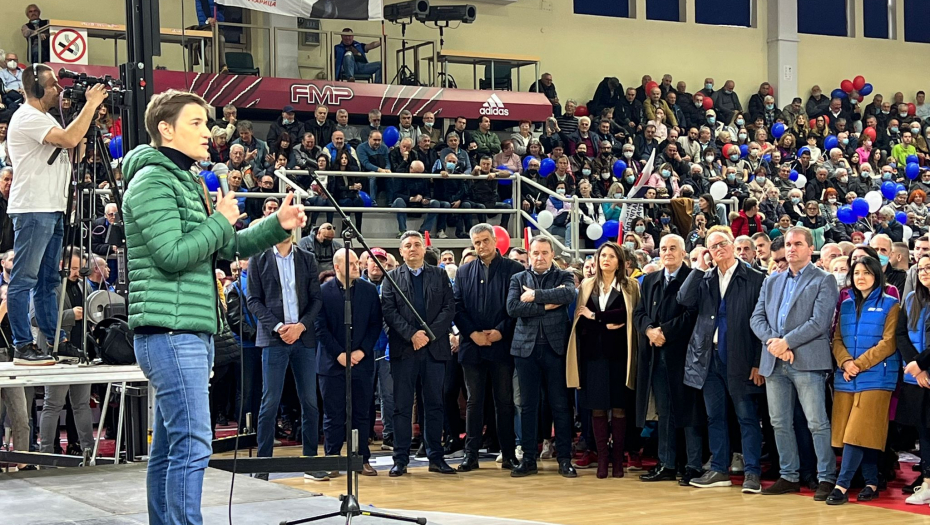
113 341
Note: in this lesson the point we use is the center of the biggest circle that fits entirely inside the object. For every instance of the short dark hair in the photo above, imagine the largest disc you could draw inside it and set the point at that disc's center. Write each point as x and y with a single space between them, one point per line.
166 107
778 243
29 77
750 203
517 249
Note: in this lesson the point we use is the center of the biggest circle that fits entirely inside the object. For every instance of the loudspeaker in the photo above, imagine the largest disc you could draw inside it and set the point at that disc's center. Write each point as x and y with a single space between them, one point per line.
414 9
452 13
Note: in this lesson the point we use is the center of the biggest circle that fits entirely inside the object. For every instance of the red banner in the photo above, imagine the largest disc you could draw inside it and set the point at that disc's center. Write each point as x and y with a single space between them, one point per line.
273 93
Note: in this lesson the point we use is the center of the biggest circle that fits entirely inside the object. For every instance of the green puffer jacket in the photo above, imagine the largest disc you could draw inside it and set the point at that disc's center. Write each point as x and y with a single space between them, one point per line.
172 242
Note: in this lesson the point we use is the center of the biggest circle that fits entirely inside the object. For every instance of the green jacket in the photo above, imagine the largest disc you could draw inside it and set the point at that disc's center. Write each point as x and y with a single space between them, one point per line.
488 143
172 244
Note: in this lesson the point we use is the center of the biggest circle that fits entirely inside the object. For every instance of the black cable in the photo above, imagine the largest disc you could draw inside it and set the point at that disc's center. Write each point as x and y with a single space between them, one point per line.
241 292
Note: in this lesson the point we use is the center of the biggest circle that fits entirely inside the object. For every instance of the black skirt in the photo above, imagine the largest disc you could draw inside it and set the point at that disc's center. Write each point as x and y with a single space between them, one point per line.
913 407
603 385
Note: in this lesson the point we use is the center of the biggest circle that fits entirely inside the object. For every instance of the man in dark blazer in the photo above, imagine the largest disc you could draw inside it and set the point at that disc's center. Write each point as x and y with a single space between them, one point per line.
101 229
331 357
284 295
723 357
486 332
538 298
413 355
665 327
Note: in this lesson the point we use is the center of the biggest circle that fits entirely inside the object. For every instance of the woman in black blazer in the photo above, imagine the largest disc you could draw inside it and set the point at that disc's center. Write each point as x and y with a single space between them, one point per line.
601 358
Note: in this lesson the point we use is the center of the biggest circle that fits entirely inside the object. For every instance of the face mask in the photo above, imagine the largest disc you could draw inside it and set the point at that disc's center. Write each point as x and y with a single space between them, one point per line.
816 94
285 122
628 154
770 107
709 158
618 195
731 177
734 158
12 64
709 86
831 201
628 244
373 126
740 122
903 115
698 104
666 174
450 166
728 91
428 124
845 142
760 179
843 180
532 172
795 200
868 143
886 176
883 259
754 153
665 220
586 172
742 136
840 279
894 129
915 131
711 120
639 229
205 164
885 112
630 178
560 191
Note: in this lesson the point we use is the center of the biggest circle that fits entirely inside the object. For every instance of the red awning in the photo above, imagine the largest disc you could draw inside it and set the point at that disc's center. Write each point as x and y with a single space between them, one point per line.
272 93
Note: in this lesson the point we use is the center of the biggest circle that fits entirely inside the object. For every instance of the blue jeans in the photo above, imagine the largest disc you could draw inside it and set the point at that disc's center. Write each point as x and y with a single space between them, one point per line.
784 385
351 67
177 366
668 446
853 457
37 244
716 390
275 360
544 366
428 223
386 395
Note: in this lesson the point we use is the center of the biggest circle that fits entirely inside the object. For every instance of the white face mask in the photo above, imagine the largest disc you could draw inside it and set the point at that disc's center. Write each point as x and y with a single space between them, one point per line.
11 64
627 154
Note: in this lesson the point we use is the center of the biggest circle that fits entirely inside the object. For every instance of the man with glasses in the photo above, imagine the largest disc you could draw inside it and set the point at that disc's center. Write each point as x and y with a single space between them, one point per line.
723 357
101 231
322 243
255 207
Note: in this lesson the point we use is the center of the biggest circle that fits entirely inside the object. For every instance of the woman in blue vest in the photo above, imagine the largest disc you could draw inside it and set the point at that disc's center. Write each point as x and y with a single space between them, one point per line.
914 402
868 368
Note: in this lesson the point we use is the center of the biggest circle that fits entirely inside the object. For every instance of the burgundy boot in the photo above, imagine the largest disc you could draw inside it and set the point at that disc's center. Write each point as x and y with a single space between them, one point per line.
601 437
618 429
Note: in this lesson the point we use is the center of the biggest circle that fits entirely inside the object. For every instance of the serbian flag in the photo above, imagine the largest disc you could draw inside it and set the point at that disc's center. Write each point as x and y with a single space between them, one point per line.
640 182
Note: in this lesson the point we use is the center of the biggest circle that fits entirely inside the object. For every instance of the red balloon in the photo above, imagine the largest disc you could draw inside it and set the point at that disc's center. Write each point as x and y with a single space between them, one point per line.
911 109
503 239
858 82
581 111
708 103
649 86
860 98
869 132
813 123
846 85
826 120
726 149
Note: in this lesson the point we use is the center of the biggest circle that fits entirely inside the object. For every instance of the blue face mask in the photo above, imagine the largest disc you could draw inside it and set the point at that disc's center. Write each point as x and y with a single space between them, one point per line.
795 200
760 179
845 142
205 164
740 122
886 176
586 172
618 195
450 166
666 220
630 179
894 129
560 191
666 174
708 86
734 158
731 177
770 107
639 229
711 120
883 259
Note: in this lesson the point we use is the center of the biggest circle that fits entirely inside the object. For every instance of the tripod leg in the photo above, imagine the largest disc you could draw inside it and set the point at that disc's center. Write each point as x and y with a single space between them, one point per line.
308 520
395 517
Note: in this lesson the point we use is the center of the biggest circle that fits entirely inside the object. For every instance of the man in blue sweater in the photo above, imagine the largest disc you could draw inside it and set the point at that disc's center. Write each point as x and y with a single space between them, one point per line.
373 157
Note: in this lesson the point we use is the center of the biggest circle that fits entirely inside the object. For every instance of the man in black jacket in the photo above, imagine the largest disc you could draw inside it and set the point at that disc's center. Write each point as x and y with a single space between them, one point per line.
665 327
243 324
486 330
629 112
331 358
286 123
413 355
321 127
538 298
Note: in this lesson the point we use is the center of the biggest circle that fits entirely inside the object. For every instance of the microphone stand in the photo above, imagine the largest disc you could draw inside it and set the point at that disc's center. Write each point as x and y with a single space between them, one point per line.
350 507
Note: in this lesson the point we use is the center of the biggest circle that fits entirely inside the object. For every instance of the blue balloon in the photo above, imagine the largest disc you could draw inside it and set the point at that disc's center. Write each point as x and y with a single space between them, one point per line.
744 150
503 168
213 182
366 199
526 162
888 189
546 167
611 229
794 176
599 242
508 202
802 150
912 170
866 90
901 217
838 93
116 147
778 129
619 168
390 136
830 142
505 182
846 215
767 158
913 159
860 208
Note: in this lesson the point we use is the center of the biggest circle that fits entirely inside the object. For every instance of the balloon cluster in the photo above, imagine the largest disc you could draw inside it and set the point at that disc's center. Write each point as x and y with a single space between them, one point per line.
847 87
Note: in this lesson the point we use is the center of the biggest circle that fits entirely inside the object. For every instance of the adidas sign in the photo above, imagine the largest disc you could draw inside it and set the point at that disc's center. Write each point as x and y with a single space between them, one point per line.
494 106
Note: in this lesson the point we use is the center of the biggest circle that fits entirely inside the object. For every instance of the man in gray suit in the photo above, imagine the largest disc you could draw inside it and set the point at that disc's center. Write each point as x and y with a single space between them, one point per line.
538 298
792 319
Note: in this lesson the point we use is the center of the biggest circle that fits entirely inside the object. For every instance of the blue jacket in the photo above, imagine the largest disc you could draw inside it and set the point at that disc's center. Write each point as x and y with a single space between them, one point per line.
330 327
205 11
381 347
372 160
912 344
340 50
863 335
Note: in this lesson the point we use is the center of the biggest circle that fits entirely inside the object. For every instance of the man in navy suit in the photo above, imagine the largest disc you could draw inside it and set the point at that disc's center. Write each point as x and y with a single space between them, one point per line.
331 357
413 355
284 294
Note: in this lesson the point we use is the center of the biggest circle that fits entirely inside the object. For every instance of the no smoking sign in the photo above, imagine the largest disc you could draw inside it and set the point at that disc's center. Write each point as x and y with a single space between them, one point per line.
69 46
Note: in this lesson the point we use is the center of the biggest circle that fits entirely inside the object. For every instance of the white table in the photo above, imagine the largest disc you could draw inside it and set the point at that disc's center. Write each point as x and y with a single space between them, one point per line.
66 374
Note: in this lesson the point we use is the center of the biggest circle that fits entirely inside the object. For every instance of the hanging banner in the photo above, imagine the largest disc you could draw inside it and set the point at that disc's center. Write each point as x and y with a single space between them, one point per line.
327 9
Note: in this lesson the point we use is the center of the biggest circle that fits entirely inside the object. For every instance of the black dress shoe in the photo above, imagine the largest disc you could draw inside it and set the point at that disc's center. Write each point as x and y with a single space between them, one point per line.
509 463
824 488
837 497
440 466
398 470
469 464
867 494
525 468
689 474
662 474
566 469
782 486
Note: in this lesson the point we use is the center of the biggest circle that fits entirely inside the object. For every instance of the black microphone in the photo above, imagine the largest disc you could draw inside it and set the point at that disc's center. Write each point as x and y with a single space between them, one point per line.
51 160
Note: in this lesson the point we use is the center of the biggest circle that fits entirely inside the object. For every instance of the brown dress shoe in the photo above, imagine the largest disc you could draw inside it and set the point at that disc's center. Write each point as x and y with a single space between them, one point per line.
368 470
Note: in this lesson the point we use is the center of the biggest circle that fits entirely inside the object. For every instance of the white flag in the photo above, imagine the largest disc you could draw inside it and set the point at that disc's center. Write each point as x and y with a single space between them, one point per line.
332 9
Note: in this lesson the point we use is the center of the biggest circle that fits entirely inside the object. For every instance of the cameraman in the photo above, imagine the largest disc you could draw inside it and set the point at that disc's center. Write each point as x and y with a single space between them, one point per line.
38 198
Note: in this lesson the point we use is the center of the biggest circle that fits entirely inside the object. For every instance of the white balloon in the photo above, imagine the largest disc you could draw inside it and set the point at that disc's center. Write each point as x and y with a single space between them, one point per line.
908 232
544 219
595 231
802 180
874 199
718 190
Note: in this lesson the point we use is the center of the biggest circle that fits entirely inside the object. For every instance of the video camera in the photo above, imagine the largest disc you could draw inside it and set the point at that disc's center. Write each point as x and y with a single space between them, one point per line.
82 81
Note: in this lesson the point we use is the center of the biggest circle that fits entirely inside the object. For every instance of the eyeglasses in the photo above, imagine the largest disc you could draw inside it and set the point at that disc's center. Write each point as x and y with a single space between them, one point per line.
719 245
925 269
